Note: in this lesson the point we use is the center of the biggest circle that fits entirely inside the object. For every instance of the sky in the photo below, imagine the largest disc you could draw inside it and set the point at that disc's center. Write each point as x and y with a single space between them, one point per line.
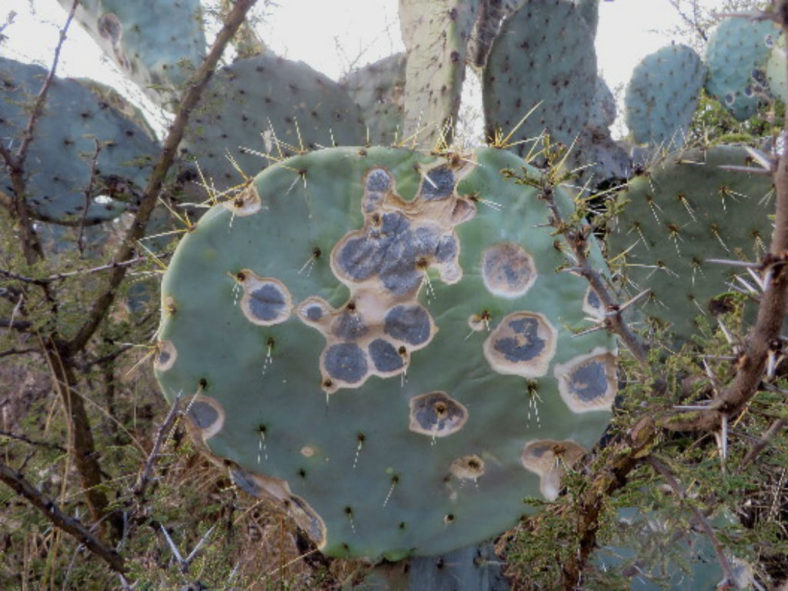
333 35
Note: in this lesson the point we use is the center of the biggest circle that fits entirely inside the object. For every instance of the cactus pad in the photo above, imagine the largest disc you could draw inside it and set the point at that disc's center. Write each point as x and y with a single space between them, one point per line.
267 104
543 58
436 37
373 337
684 212
736 56
157 44
76 125
662 95
379 90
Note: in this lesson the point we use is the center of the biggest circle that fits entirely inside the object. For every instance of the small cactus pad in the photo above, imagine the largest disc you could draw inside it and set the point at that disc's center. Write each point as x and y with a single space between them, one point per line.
436 37
266 105
156 43
379 90
77 128
373 336
682 213
736 56
662 95
543 59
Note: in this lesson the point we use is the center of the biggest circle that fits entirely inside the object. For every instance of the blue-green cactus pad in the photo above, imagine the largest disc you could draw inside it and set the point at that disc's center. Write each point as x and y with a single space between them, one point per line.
379 340
267 105
156 43
543 58
736 57
662 95
59 162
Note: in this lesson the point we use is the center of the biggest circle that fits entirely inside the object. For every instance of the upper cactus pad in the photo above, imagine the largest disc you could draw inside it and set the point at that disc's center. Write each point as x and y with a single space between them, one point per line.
662 95
375 337
543 59
736 56
157 44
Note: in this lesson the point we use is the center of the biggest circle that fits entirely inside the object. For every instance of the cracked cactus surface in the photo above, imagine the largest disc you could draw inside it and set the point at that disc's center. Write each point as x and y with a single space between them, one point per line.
379 340
542 60
156 43
662 96
736 55
688 210
86 152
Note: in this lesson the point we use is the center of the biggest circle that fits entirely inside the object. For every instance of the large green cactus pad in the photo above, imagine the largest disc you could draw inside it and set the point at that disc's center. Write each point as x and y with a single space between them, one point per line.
684 212
736 56
77 127
267 105
379 340
156 43
379 89
662 95
543 59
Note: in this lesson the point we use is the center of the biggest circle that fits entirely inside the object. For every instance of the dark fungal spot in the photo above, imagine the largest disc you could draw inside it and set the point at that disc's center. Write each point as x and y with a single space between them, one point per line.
438 184
203 414
385 356
525 343
436 414
589 382
346 362
378 180
408 323
267 302
349 326
314 312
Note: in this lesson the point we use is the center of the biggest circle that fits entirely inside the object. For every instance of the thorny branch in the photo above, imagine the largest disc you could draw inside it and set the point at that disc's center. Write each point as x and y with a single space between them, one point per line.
71 526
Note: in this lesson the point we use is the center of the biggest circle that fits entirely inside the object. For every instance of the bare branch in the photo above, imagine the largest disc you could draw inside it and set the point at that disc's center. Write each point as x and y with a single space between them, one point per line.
161 435
71 526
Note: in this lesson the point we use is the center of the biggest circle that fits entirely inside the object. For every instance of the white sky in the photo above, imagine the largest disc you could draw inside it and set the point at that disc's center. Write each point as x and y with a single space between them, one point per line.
333 35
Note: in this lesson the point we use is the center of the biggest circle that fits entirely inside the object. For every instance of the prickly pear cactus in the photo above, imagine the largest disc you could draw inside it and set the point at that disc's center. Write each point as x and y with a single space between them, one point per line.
379 90
436 37
265 108
543 59
77 128
683 213
156 43
379 340
662 95
776 70
736 56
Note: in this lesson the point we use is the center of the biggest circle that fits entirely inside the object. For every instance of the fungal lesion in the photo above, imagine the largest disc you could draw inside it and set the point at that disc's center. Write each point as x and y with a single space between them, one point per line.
165 355
204 415
522 344
588 382
550 460
436 414
246 202
508 270
470 467
265 301
384 265
278 490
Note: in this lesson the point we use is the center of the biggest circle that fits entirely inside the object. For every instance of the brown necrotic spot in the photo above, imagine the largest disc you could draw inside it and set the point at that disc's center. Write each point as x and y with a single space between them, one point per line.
588 382
522 344
247 202
166 354
168 306
467 467
266 301
508 270
205 414
436 414
550 459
